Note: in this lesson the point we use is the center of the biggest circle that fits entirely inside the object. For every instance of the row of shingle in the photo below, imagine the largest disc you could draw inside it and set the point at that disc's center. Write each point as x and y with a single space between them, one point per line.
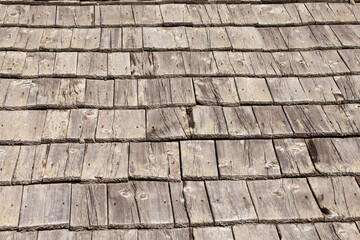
311 231
155 204
172 38
173 161
171 92
170 63
178 14
30 126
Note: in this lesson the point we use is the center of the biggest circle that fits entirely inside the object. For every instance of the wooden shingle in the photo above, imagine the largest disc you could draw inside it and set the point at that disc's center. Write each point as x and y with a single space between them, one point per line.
165 38
241 121
293 231
116 15
208 121
349 86
115 234
82 124
178 204
99 93
126 93
253 90
56 125
255 231
223 233
337 229
8 159
10 197
163 234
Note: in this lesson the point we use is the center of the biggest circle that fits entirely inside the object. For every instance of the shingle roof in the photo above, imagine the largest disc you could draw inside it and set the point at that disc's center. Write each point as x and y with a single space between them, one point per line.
181 120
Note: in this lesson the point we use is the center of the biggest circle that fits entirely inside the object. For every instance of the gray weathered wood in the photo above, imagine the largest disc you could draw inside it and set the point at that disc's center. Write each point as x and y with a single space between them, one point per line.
261 64
28 39
82 124
119 64
72 92
337 230
154 92
321 89
147 14
64 162
167 123
44 92
8 159
175 14
111 38
115 235
337 196
299 13
10 197
349 35
164 234
182 91
88 206
239 14
240 159
54 38
92 64
165 38
287 90
255 231
65 63
197 203
216 91
85 38
17 14
198 38
298 231
181 218
293 157
132 38
253 90
299 37
199 63
5 83
224 198
272 39
241 121
342 121
121 125
63 235
308 119
152 160
42 15
204 14
99 93
45 206
13 63
56 125
39 163
291 63
154 204
208 121
13 129
272 121
123 210
223 233
24 165
284 200
116 14
323 12
353 114
198 159
349 86
70 16
168 63
8 36
126 93
13 235
245 38
267 14
325 36
105 162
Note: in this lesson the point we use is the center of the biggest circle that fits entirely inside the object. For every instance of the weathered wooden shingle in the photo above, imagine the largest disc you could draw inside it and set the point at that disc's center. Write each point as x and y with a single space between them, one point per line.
223 233
349 86
10 197
62 234
71 16
337 230
147 14
255 231
8 159
287 90
175 14
253 90
208 121
284 199
165 38
241 121
178 204
163 234
92 64
126 93
321 89
99 93
115 234
56 125
116 15
294 231
245 38
82 124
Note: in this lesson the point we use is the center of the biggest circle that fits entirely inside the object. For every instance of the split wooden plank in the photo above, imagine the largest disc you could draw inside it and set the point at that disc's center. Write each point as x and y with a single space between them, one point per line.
123 210
351 58
132 38
165 38
218 38
28 39
10 197
126 93
245 38
82 124
72 92
199 63
39 163
164 234
325 36
208 121
92 64
13 235
296 231
230 202
8 159
272 14
85 38
321 89
119 64
65 63
342 121
239 14
207 14
181 218
349 35
147 14
216 91
349 86
261 64
198 159
116 15
24 166
334 155
54 38
13 63
63 234
99 93
291 63
105 162
45 206
272 121
299 37
64 162
300 13
167 123
337 230
284 200
223 233
42 15
121 125
71 16
88 206
111 38
253 90
56 125
142 63
255 231
293 157
154 92
308 119
329 13
173 14
287 90
334 195
352 112
17 93
241 121
44 93
169 63
198 38
115 234
154 204
272 38
13 128
239 159
182 92
45 64
197 203
154 160
17 14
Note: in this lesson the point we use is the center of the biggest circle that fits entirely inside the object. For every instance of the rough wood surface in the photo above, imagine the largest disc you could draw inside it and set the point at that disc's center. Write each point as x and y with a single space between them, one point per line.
296 231
10 198
209 121
223 233
253 90
8 159
337 230
63 234
56 125
126 93
255 231
24 165
99 93
349 86
82 124
115 235
286 90
178 204
164 234
241 121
